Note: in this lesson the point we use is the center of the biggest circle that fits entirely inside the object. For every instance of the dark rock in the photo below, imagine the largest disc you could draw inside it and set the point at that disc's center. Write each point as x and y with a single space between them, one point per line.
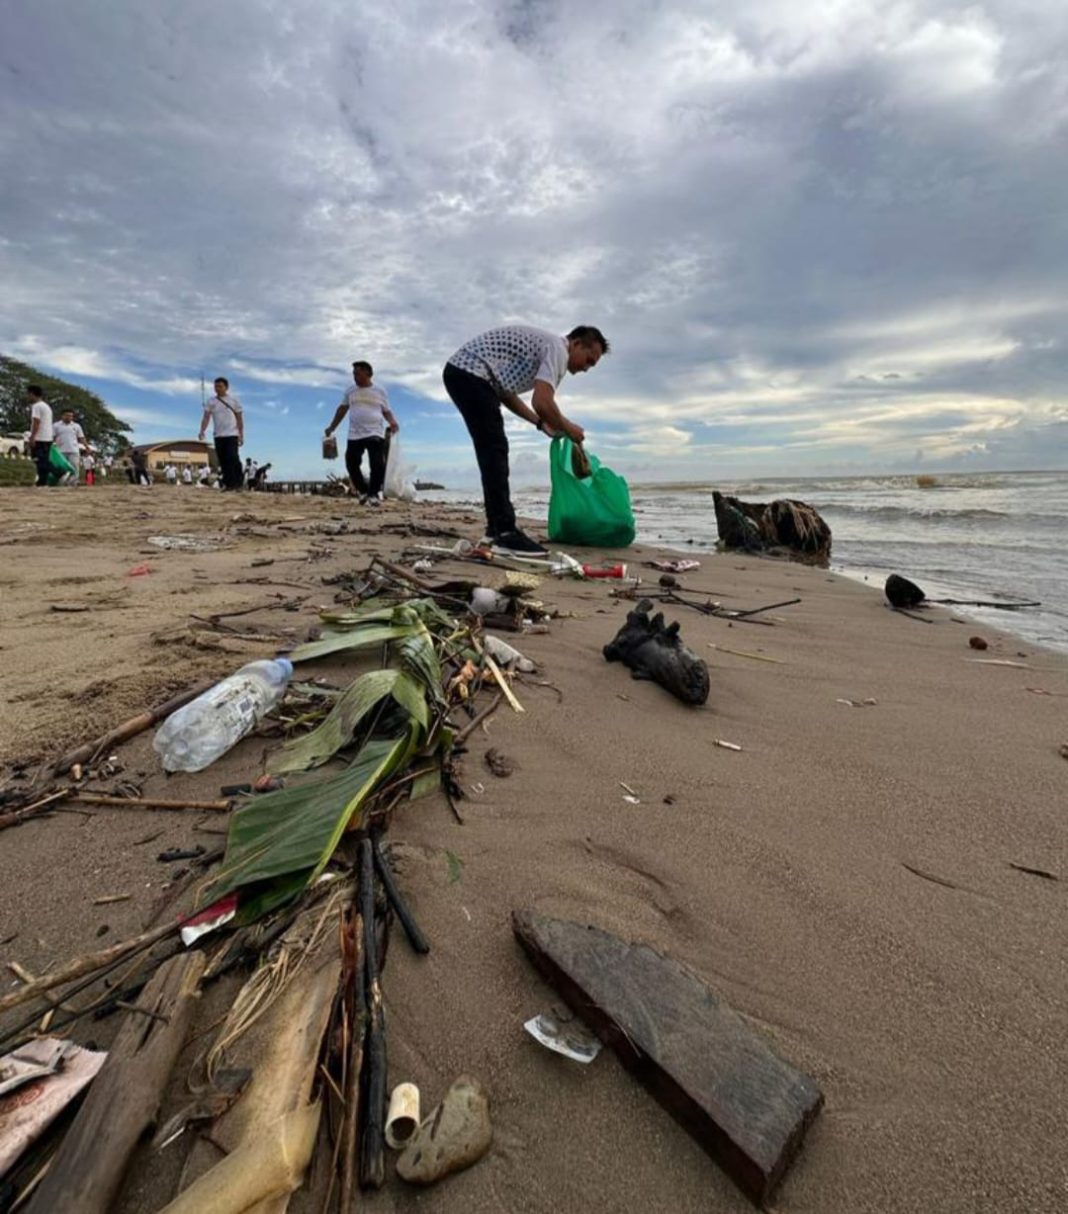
978 643
784 527
900 592
654 651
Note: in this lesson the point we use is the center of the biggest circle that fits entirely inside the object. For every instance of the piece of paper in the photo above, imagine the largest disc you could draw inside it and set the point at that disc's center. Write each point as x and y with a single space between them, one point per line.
564 1036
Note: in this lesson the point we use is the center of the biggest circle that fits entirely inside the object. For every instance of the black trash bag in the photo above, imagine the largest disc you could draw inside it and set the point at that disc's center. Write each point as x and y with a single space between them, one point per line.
654 651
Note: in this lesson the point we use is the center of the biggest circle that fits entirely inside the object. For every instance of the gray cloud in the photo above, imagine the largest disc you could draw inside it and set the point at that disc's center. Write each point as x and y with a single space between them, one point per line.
851 223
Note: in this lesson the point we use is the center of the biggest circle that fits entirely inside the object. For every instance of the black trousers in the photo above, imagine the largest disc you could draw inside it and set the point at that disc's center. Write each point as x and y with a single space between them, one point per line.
41 452
481 411
376 457
230 469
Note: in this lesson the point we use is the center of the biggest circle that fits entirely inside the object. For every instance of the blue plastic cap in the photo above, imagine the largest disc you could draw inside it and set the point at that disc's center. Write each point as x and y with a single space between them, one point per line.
287 664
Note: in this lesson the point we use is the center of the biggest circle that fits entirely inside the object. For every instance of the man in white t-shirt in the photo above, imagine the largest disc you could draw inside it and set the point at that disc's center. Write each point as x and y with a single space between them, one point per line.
369 414
69 438
170 474
187 475
40 431
492 370
228 420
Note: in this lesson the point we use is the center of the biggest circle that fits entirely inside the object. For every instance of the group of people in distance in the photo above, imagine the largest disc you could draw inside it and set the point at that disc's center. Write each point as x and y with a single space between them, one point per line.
496 368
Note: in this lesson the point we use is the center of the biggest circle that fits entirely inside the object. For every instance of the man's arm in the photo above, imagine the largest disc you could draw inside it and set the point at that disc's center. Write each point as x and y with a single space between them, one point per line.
547 413
204 425
35 425
339 413
518 406
240 427
394 425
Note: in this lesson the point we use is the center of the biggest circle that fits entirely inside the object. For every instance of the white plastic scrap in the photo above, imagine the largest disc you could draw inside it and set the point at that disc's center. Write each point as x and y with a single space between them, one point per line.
507 656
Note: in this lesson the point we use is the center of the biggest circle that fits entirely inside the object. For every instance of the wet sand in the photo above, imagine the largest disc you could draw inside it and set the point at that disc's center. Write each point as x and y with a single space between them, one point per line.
844 881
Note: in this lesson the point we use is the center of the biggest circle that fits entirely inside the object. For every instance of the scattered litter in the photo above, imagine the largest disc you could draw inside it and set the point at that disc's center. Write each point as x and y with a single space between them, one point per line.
978 643
999 662
184 543
627 788
180 853
22 1120
1063 750
485 601
478 788
455 866
682 566
402 1120
261 562
725 745
209 919
653 650
108 899
631 800
423 566
562 1033
268 783
870 702
138 570
1041 691
69 607
507 656
1035 872
669 799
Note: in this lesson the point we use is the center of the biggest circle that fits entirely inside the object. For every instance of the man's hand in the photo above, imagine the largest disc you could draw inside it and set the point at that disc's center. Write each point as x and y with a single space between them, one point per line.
394 428
200 437
574 432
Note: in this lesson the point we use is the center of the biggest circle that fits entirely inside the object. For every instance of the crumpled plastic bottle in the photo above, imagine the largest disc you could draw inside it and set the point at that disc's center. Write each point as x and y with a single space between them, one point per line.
196 734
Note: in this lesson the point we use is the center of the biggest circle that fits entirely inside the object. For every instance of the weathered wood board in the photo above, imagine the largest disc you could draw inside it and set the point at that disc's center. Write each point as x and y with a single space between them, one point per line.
719 1078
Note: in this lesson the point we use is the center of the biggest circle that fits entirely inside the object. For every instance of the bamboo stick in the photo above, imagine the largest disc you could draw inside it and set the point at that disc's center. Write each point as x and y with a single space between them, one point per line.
128 729
357 1027
93 798
372 1139
80 966
385 874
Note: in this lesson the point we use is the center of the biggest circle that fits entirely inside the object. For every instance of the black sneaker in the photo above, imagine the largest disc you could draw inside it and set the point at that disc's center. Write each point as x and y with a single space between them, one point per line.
515 543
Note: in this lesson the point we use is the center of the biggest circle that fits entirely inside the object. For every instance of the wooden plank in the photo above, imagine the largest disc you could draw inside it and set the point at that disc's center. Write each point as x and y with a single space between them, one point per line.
88 1169
717 1076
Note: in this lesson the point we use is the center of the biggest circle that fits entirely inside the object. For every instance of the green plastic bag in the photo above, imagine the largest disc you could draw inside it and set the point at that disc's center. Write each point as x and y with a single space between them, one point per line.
594 511
58 466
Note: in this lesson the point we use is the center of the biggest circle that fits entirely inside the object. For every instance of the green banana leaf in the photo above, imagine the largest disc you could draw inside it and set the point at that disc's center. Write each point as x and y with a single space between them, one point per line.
358 638
419 656
354 703
297 829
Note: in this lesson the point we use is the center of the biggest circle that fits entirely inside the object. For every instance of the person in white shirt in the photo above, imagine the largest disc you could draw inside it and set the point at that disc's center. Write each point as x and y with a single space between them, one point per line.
203 472
369 414
69 438
492 370
40 431
228 420
187 475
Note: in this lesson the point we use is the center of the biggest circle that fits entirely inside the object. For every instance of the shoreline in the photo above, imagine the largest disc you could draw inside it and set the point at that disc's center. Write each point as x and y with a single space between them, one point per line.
845 881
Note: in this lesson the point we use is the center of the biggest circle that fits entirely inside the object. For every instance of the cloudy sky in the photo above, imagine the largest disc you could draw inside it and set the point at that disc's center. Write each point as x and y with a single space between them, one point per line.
821 237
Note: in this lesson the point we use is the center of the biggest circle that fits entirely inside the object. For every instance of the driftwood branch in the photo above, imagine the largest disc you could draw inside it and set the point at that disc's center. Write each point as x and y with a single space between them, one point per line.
93 798
81 966
385 874
128 729
88 1169
372 1137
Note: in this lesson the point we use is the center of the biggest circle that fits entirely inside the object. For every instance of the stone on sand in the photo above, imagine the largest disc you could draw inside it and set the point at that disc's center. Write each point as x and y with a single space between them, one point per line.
455 1135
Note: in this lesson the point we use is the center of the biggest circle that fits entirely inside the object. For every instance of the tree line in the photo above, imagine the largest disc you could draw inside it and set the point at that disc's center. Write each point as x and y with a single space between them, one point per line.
102 428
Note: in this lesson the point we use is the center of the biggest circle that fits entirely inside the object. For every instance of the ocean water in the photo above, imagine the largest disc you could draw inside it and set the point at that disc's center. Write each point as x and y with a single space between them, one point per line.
996 535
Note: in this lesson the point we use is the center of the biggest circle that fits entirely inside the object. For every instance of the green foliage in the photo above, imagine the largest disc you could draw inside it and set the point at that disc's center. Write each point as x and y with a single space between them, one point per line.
102 428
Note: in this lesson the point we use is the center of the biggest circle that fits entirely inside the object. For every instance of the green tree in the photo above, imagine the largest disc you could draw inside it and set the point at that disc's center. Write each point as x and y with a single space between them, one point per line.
102 428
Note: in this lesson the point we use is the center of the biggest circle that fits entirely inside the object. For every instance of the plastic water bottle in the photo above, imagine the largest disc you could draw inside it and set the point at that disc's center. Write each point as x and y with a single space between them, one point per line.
205 728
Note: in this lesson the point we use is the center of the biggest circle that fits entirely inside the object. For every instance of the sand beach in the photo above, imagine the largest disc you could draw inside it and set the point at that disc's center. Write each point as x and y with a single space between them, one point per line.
846 881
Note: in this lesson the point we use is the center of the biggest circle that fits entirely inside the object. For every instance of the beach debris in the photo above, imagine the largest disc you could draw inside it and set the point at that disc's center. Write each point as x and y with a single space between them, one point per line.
669 799
928 876
725 745
507 656
1034 872
184 543
1062 750
37 1082
373 1079
978 642
173 854
486 601
229 1084
900 593
454 1136
720 1079
407 920
999 662
654 651
208 920
402 1118
454 865
109 899
562 1032
138 570
88 1168
70 608
784 527
93 798
499 764
870 702
680 566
